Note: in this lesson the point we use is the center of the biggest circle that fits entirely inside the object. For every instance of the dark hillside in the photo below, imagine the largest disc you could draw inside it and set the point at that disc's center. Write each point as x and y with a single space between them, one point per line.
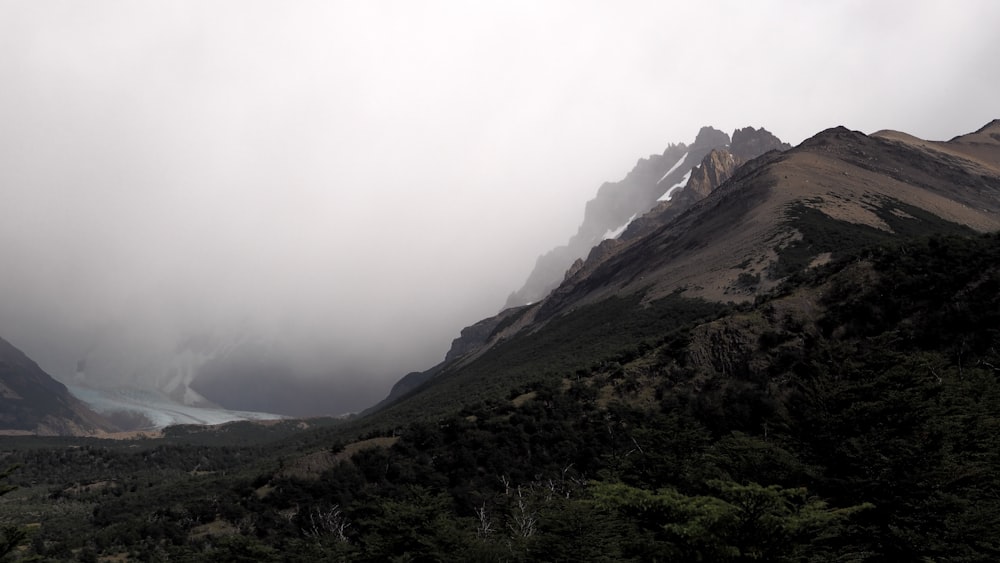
615 330
32 401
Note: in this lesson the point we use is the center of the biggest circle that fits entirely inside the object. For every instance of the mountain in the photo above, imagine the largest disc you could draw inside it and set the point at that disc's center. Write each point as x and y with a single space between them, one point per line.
692 170
657 189
32 402
784 210
746 224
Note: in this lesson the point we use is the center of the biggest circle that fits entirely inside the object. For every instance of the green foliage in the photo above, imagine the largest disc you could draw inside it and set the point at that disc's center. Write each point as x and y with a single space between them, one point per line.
616 328
415 527
822 233
735 522
12 536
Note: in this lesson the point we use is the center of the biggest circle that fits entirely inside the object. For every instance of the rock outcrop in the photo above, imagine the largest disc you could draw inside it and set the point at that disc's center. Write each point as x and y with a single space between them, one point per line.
656 190
739 227
749 143
615 206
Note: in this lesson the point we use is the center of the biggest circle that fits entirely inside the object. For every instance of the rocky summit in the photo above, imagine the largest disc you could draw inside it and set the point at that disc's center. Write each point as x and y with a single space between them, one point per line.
675 179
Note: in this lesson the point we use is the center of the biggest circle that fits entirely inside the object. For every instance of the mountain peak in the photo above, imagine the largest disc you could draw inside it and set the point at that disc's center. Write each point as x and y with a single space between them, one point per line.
991 126
750 143
988 134
615 206
833 133
710 136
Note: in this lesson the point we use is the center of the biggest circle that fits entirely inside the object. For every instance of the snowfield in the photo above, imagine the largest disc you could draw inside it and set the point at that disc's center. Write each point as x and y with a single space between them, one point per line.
672 168
615 233
670 191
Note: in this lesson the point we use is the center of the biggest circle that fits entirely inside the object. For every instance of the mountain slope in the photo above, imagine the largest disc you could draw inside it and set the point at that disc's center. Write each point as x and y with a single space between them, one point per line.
615 205
655 191
31 401
775 216
750 225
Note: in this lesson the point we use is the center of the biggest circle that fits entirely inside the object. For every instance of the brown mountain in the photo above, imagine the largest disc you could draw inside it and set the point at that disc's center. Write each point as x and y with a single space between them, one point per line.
666 184
781 207
615 204
748 225
32 402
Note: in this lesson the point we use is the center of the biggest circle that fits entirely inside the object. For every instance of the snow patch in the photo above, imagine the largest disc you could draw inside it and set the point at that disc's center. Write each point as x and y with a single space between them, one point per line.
615 233
672 168
670 191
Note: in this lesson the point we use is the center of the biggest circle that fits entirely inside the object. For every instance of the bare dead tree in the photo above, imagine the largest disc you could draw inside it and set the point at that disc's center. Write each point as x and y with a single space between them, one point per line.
524 519
505 480
327 522
485 528
247 524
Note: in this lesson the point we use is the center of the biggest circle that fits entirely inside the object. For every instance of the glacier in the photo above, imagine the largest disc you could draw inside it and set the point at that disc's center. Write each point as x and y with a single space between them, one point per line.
159 409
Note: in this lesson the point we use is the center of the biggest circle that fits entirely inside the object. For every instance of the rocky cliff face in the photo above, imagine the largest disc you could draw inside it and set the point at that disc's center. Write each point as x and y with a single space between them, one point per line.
616 204
717 166
714 169
657 189
749 143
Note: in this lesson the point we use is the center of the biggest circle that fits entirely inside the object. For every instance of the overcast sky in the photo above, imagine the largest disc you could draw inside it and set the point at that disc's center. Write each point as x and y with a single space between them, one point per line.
370 177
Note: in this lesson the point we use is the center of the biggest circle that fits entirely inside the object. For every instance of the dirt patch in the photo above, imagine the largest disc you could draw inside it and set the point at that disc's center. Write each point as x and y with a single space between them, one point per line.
132 435
216 528
91 487
311 466
523 398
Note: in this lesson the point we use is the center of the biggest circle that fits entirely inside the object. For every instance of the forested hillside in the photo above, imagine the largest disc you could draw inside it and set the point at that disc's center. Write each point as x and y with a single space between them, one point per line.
852 416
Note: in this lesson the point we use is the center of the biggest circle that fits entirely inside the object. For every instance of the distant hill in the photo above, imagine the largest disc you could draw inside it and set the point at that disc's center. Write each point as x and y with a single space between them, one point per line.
32 402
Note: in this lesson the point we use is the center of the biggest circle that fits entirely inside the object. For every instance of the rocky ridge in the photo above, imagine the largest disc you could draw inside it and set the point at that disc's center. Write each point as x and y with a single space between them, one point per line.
614 206
657 189
747 222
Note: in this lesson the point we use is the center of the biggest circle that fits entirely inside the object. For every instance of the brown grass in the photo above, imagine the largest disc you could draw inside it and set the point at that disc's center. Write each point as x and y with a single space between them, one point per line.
523 398
311 466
